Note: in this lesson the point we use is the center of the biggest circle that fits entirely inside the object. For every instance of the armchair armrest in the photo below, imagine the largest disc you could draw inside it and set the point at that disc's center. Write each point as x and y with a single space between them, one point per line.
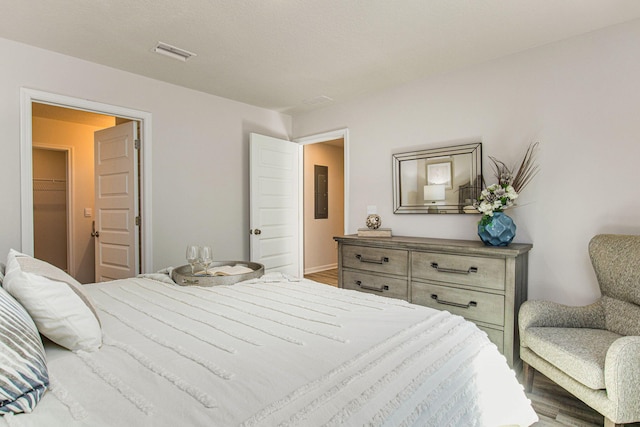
622 377
552 314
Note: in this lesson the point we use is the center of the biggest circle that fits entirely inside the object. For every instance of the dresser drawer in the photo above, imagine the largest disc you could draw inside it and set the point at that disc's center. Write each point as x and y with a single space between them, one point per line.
373 284
472 305
496 336
465 270
381 260
486 284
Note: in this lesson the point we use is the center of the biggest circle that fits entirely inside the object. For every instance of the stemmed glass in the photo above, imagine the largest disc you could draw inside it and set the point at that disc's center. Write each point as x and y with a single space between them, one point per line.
192 256
206 257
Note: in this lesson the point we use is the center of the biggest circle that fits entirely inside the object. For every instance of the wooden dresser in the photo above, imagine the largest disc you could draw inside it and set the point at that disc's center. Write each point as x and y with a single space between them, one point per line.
484 284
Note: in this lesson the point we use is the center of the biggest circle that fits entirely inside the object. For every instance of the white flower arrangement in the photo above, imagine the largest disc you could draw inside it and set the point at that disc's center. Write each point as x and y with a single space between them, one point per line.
496 198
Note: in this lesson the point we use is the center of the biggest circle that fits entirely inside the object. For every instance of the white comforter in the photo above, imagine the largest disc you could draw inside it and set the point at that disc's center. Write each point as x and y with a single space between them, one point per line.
273 352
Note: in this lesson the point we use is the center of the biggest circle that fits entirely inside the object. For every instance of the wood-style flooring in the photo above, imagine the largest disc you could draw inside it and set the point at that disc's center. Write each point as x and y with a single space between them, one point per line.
330 277
555 406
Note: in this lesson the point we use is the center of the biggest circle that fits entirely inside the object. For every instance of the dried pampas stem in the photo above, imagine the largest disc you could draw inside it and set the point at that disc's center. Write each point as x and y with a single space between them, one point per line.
527 170
523 174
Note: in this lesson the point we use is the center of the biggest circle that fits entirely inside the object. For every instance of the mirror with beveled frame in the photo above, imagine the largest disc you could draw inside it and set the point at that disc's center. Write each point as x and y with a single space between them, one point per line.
438 180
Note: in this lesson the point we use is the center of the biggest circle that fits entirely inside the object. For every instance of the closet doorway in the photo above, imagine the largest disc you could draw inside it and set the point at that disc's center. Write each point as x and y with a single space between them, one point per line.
51 205
82 211
64 205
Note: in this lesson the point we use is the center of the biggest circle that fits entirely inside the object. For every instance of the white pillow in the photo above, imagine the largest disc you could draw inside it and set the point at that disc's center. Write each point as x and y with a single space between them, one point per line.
55 301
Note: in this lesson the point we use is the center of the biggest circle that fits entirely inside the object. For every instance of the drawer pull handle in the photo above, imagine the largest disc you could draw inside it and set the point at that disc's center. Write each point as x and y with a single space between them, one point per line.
453 270
381 288
382 260
454 304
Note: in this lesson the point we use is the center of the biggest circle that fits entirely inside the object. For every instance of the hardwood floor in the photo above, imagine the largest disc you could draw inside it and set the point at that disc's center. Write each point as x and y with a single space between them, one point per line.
555 406
329 277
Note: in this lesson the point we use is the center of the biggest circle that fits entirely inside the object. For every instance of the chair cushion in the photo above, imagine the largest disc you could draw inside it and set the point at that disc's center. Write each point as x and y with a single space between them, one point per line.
621 317
616 261
578 352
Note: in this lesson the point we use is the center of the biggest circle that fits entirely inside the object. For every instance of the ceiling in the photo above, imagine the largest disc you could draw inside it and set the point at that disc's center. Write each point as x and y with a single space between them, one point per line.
296 55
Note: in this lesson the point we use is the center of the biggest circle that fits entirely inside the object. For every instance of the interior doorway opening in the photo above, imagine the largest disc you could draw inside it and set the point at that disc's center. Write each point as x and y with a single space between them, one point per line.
323 204
30 97
64 235
330 149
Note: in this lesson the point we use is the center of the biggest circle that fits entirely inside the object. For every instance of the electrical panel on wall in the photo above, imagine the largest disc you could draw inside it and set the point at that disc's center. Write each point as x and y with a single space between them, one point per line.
321 191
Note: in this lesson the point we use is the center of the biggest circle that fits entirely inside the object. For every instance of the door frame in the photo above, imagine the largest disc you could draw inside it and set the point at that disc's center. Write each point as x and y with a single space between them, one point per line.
29 96
71 265
315 139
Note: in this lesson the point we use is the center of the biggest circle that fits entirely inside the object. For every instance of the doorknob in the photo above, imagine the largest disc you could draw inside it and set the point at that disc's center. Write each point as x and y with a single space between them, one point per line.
256 231
94 233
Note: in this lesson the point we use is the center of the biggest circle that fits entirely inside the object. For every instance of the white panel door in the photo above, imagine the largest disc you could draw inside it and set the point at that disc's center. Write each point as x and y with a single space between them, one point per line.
275 204
116 202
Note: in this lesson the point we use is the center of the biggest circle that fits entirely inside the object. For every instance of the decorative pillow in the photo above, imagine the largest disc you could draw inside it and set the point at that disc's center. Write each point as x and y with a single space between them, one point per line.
23 370
56 302
1 272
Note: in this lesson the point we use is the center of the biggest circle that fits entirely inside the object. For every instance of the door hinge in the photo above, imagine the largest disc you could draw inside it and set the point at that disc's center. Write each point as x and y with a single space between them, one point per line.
137 144
137 220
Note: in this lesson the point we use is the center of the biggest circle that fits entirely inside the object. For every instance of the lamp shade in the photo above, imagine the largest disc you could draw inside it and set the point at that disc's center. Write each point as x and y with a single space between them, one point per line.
434 192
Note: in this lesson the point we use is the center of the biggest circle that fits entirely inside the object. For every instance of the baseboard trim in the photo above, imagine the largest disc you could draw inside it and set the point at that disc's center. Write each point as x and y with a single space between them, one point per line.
318 269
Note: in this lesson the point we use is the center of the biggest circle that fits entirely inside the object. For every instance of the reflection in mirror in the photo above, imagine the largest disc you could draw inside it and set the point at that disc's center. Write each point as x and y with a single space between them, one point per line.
438 180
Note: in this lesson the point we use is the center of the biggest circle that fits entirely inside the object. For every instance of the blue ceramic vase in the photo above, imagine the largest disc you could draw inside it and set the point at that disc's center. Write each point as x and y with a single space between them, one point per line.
500 231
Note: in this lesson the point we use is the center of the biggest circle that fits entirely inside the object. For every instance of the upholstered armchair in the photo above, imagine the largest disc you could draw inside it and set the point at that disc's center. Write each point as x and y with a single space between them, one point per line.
593 351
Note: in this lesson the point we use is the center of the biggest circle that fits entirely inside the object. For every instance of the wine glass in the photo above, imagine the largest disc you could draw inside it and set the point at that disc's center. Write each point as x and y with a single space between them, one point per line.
192 256
206 257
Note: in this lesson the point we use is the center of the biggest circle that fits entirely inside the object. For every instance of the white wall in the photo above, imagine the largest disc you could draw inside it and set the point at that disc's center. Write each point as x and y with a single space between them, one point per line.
200 149
580 98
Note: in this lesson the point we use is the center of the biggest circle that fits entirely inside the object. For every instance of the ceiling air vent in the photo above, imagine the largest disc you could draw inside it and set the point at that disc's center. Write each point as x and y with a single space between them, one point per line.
322 99
173 52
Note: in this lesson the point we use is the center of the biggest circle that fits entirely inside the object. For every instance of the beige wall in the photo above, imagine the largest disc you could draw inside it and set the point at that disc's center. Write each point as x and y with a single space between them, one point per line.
320 251
80 138
50 206
580 98
196 137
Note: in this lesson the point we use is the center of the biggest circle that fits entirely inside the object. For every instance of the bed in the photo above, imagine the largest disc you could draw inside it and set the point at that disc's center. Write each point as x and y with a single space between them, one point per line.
272 351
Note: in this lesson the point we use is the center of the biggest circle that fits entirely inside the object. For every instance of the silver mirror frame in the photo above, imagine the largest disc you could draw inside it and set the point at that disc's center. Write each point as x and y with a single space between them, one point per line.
474 153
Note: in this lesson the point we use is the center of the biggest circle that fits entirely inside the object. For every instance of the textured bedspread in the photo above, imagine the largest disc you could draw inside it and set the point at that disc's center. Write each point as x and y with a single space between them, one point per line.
274 352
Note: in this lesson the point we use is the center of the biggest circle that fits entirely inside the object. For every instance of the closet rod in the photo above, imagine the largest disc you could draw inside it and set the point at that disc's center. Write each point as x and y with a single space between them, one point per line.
49 180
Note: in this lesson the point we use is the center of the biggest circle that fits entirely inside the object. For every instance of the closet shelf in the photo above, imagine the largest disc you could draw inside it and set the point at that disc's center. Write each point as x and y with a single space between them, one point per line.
40 184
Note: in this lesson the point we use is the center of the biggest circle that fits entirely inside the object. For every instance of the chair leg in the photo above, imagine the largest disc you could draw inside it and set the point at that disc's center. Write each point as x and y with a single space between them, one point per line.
528 377
609 423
